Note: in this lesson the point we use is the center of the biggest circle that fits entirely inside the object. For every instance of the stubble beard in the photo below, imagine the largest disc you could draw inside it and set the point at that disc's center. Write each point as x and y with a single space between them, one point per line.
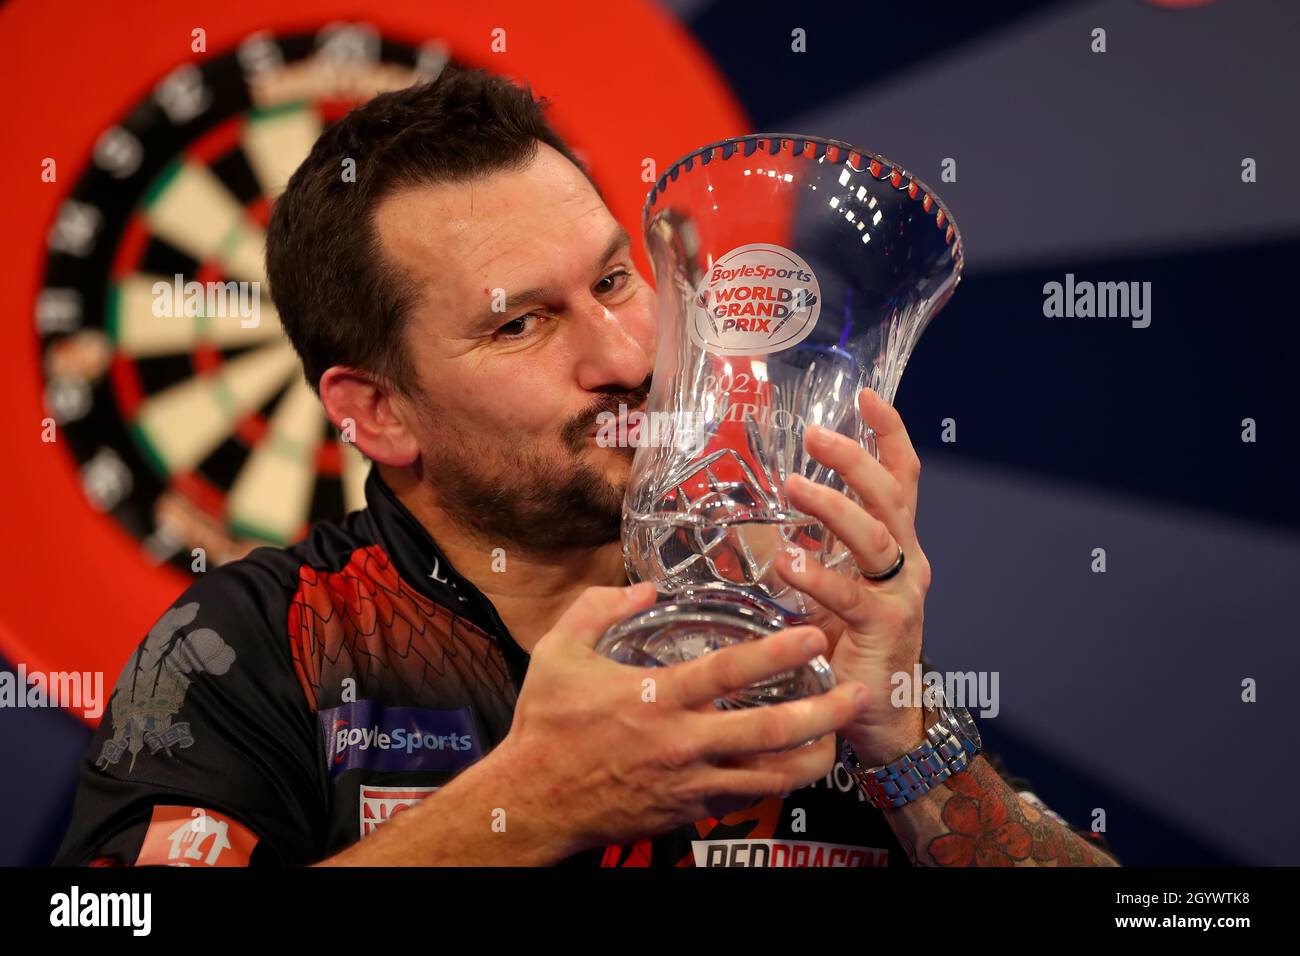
533 498
528 500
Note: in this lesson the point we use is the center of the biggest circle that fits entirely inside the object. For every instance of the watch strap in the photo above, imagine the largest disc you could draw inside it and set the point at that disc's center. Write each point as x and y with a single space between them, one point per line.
945 751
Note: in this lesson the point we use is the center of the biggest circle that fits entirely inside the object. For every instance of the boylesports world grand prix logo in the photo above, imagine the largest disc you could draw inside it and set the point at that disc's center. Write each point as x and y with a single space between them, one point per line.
756 299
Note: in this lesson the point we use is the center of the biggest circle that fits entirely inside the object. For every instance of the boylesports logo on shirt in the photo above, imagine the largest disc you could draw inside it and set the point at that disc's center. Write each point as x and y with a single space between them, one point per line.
399 738
366 735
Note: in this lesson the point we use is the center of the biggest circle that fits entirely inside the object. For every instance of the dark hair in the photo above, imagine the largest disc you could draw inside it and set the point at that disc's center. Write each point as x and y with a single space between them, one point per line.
340 302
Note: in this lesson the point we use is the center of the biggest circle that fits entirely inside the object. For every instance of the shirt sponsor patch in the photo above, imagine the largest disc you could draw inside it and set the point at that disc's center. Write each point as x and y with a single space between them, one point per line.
364 734
195 836
785 853
381 804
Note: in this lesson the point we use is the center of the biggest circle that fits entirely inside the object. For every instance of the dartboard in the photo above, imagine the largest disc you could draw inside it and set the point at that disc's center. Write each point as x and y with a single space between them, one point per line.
165 363
160 423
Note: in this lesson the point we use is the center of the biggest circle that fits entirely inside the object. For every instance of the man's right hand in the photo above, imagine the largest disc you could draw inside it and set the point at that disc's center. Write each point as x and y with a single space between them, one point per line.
598 756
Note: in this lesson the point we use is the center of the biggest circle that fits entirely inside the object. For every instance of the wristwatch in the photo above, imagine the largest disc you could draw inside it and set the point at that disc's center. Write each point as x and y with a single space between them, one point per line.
951 742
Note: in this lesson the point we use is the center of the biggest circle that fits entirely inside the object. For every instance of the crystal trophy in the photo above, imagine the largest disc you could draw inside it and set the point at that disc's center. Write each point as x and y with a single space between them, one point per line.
791 271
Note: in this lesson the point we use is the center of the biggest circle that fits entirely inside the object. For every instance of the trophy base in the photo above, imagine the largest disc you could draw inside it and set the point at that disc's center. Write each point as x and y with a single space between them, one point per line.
690 623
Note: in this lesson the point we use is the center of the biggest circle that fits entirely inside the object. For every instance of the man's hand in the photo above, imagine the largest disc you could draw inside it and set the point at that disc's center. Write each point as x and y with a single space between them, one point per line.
874 627
602 753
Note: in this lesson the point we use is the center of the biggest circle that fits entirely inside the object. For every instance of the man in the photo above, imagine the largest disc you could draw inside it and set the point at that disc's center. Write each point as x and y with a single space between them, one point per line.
416 683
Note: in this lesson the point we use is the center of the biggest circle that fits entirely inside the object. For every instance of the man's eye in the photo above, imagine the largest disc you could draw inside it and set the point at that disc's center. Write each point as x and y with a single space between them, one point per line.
515 329
614 278
518 328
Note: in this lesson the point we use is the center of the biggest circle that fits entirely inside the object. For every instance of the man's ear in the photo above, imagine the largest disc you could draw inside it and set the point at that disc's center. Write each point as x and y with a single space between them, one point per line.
365 412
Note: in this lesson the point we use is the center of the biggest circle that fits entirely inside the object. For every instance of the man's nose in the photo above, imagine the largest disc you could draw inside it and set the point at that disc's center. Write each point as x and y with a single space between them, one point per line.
609 353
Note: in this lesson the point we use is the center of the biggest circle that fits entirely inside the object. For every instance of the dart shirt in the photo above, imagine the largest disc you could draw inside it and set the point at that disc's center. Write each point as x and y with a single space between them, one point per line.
290 703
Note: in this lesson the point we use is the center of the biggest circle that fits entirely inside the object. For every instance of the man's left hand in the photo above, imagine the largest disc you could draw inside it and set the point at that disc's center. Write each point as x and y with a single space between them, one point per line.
874 627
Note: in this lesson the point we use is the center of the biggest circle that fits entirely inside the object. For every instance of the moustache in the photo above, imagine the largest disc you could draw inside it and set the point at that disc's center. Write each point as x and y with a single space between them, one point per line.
576 432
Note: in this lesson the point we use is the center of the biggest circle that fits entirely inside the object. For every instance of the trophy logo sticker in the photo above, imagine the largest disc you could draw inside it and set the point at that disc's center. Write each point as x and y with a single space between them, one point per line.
756 299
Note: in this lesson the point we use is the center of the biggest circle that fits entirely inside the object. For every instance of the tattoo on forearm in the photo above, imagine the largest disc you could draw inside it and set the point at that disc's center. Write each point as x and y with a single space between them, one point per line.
986 824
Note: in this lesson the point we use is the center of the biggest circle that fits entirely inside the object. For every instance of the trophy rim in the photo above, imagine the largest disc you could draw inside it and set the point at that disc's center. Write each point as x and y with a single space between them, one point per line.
888 170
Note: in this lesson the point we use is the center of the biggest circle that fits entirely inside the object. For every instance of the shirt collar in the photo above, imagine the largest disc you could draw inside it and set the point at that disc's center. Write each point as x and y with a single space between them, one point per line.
424 566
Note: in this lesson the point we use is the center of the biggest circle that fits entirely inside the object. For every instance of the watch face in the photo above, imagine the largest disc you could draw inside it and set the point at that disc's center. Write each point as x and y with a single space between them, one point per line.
962 720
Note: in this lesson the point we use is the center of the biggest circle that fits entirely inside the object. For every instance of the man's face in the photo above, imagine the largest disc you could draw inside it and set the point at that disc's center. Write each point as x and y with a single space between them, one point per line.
509 398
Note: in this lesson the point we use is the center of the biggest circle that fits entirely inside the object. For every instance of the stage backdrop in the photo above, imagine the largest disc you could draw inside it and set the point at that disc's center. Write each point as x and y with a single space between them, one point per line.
148 142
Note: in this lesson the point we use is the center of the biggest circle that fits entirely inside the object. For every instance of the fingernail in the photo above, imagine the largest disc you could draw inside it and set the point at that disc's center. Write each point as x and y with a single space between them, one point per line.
813 644
862 699
828 438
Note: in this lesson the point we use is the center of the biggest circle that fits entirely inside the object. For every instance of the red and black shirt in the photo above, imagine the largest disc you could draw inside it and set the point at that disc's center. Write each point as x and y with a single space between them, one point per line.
291 702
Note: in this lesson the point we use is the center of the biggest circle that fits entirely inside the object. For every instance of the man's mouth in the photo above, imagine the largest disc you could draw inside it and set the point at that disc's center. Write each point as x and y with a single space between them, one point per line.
623 414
